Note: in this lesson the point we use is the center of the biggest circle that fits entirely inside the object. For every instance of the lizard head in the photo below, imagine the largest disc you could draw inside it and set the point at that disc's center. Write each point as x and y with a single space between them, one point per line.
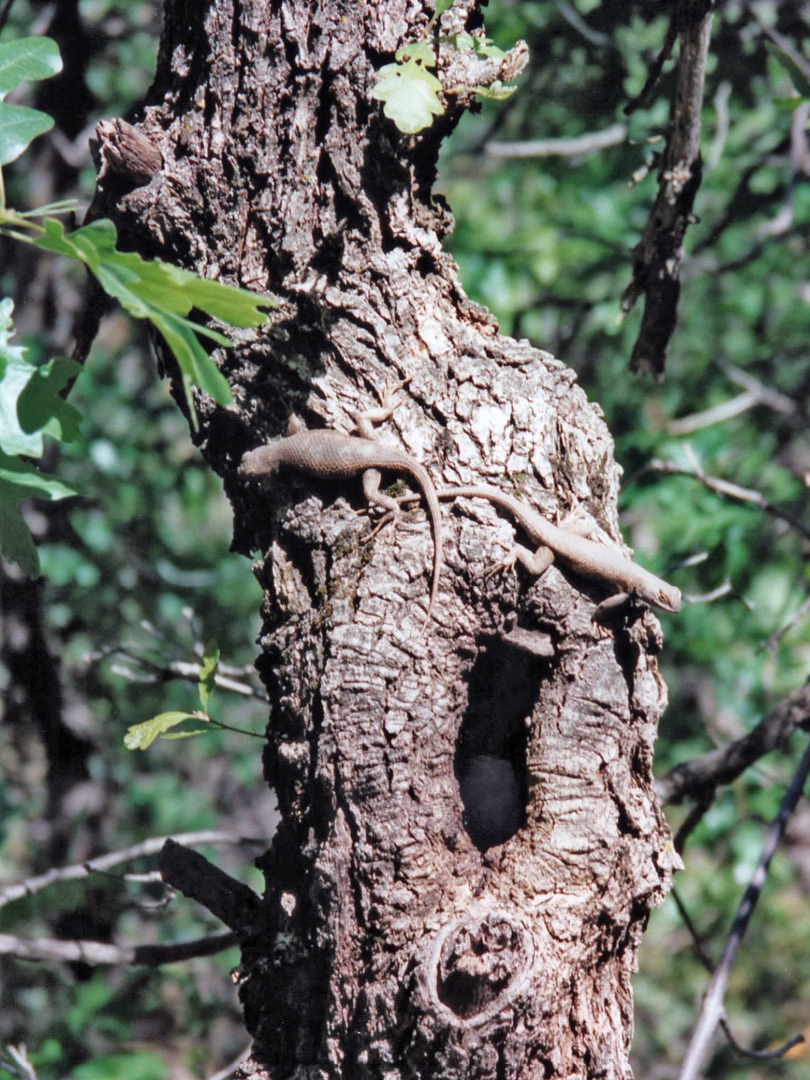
668 597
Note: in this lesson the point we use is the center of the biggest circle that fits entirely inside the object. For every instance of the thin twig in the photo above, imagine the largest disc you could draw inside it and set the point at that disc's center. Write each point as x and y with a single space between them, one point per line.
721 127
19 1055
754 393
95 953
705 959
781 42
573 17
113 858
226 677
229 1070
656 67
780 403
578 146
713 1001
777 635
730 491
717 414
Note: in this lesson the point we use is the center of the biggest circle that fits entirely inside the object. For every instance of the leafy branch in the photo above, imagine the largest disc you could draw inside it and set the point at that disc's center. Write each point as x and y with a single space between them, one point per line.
32 396
141 736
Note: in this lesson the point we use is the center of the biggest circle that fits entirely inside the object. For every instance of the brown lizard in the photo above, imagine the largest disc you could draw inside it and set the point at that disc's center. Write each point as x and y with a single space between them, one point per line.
583 555
331 454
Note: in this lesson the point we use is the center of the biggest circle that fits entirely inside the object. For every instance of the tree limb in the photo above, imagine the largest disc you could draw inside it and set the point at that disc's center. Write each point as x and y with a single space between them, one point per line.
657 256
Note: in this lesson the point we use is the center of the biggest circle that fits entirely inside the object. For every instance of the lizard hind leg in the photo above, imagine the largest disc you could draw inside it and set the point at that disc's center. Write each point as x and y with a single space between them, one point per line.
371 490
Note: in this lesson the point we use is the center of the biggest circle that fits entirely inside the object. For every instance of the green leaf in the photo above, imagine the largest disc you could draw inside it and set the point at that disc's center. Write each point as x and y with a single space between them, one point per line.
163 294
20 480
184 734
442 6
141 736
496 91
27 59
408 91
208 671
15 371
18 129
484 47
418 51
40 407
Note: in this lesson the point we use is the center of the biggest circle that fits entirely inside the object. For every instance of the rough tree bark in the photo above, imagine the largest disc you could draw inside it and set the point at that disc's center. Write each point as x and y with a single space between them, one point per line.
389 944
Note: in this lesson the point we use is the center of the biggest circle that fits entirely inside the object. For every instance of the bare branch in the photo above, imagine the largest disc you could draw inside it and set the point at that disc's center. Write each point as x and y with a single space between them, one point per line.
657 66
573 17
226 678
230 1069
754 393
780 403
713 1001
657 256
234 903
717 414
578 146
721 127
777 635
781 42
96 953
738 1048
728 490
19 1055
723 589
103 863
699 778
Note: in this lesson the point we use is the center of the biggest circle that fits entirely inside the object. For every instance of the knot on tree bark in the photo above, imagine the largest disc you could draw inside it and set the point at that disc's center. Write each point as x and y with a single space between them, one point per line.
478 964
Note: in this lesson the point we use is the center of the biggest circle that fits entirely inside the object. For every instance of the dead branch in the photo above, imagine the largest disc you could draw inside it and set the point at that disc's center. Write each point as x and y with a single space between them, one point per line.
194 876
96 953
727 490
698 779
102 863
578 146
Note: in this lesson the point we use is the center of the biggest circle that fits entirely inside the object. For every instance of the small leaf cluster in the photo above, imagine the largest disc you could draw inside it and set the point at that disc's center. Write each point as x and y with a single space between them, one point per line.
410 91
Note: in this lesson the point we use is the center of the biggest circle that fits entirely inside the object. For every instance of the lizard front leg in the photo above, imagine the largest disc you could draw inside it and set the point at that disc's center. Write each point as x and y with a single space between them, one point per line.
367 418
536 562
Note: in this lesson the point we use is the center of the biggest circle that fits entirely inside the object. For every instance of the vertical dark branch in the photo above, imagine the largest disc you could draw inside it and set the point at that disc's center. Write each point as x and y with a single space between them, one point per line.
657 256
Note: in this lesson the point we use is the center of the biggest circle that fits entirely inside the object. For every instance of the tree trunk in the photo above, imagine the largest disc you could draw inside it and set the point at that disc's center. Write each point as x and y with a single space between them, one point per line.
470 843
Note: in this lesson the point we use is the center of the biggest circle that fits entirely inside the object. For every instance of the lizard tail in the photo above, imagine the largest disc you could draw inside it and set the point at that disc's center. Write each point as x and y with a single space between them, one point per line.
434 513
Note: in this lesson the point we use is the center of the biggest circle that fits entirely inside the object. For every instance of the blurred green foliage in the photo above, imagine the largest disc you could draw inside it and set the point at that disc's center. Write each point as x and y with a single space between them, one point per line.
140 563
546 244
